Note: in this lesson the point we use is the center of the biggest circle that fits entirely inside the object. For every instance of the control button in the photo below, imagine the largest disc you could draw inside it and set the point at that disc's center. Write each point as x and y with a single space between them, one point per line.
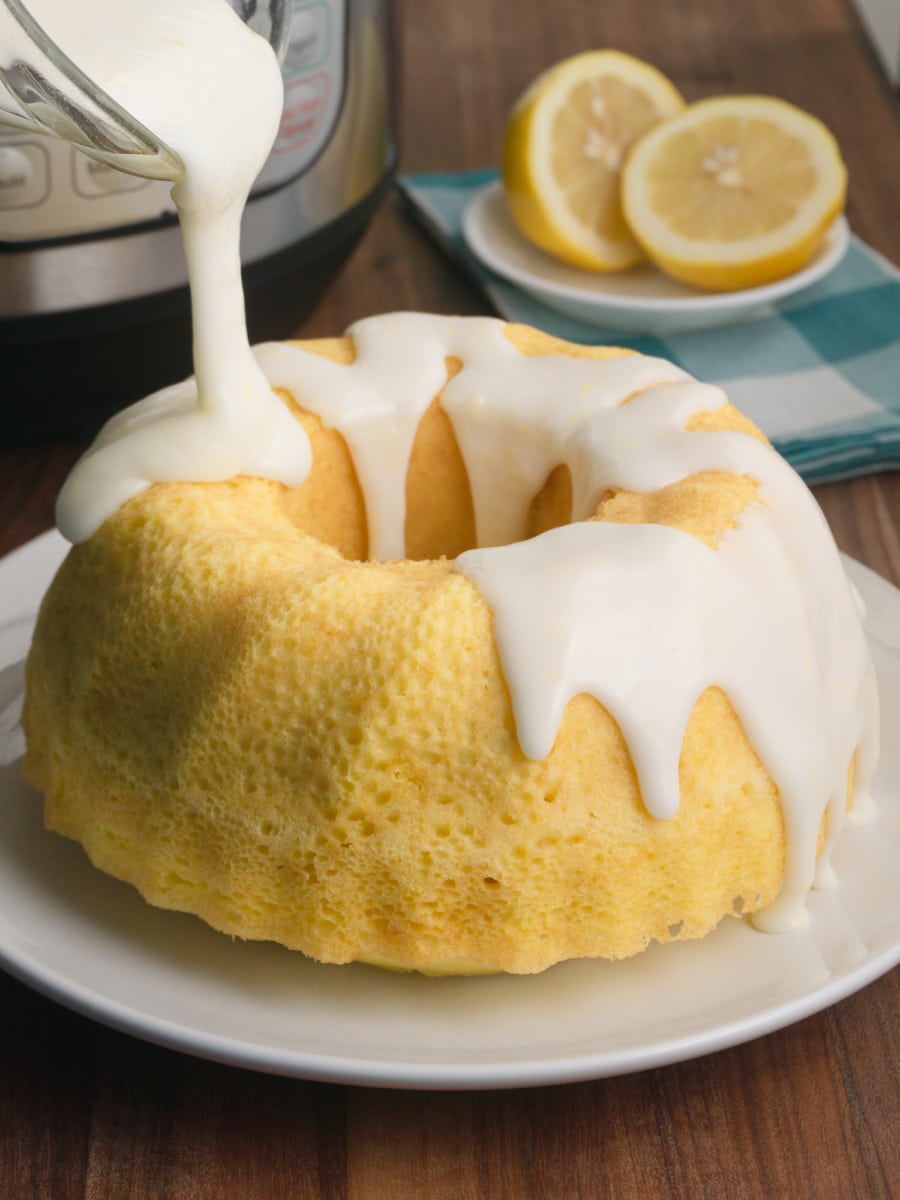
305 106
91 178
24 176
308 42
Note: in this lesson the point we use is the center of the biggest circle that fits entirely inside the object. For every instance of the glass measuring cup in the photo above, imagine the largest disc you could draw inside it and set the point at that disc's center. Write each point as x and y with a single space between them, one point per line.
43 90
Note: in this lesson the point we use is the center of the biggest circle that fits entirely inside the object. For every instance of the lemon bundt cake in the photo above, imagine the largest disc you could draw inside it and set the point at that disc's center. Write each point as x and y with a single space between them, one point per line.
549 655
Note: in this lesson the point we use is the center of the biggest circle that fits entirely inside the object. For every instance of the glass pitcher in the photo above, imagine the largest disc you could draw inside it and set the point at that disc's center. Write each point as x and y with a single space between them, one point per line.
43 90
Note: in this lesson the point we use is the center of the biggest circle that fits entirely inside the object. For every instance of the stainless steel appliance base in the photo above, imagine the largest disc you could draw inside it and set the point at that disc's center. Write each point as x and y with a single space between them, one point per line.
65 373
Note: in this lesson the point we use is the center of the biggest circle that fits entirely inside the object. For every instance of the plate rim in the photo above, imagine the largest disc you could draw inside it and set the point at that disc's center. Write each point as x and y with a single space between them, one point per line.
445 1076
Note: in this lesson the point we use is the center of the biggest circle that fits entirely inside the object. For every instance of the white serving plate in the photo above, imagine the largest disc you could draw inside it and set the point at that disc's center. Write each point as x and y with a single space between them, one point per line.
641 300
92 944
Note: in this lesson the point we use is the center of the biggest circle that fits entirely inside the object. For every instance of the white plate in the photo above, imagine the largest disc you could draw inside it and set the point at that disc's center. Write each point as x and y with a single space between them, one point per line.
92 944
641 300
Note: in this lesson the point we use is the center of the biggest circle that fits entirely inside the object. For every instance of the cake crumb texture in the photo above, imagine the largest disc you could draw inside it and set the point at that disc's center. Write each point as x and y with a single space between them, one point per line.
232 710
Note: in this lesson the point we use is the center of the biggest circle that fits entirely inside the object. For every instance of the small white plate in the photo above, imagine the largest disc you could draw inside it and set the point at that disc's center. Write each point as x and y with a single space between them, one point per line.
92 944
641 300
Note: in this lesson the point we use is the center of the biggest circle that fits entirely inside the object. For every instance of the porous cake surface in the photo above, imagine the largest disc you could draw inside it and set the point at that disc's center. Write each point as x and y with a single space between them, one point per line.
236 710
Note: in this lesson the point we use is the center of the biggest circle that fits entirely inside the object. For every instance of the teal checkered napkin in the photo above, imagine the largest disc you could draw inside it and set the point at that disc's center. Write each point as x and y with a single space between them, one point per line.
819 372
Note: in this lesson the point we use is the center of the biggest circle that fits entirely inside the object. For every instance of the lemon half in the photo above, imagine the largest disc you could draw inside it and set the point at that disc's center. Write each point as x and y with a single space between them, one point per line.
734 192
566 141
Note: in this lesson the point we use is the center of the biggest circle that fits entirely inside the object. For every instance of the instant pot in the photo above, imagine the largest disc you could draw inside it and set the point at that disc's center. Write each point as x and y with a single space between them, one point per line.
94 306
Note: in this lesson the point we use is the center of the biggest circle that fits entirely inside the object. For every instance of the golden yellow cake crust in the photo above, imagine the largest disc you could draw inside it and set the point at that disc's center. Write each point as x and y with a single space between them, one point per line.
233 711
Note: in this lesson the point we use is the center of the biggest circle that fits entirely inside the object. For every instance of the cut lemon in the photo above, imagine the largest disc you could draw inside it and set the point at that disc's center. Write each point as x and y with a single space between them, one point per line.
565 144
734 192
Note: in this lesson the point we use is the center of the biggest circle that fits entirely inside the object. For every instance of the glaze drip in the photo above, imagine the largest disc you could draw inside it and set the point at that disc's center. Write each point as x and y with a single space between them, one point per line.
177 76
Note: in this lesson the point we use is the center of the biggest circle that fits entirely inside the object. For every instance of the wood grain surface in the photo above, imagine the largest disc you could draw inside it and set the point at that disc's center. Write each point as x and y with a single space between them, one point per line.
809 1112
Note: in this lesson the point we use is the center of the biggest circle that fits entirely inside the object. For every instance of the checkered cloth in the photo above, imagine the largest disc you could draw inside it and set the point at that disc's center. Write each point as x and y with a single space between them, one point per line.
819 372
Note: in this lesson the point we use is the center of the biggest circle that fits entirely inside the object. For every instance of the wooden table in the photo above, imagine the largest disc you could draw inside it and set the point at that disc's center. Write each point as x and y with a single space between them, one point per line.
811 1111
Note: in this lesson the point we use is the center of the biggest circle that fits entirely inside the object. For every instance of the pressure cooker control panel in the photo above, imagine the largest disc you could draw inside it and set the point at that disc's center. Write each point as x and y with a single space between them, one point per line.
314 85
50 190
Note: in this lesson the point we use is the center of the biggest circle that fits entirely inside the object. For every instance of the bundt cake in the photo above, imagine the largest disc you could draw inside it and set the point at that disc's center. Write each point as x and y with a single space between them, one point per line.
549 655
